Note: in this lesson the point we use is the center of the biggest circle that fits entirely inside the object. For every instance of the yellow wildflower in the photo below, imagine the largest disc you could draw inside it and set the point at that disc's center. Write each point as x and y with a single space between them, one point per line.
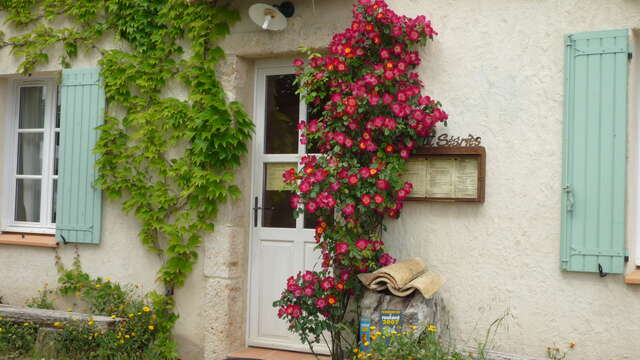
372 327
355 351
113 316
1 330
366 343
432 328
57 324
121 341
108 279
90 322
78 293
146 309
127 336
151 327
69 310
26 324
131 315
414 327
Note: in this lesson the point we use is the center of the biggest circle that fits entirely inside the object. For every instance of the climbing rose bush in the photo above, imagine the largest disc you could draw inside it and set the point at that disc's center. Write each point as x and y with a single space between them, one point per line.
367 116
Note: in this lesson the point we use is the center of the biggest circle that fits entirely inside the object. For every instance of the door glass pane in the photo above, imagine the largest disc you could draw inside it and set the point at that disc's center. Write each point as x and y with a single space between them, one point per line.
30 153
314 112
31 114
277 210
282 115
53 202
27 200
310 220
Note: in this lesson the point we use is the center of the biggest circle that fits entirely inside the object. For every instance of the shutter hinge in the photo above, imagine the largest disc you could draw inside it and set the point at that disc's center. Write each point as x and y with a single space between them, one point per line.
580 52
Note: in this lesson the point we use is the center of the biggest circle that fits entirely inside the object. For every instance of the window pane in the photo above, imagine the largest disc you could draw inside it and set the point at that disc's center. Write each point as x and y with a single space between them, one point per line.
58 108
55 154
30 153
27 200
31 114
282 115
53 202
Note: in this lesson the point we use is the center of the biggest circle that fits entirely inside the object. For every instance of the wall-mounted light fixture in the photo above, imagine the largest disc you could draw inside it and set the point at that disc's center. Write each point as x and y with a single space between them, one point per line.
271 17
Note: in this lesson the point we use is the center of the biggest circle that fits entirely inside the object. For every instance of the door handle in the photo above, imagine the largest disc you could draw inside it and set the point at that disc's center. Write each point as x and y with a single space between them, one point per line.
571 202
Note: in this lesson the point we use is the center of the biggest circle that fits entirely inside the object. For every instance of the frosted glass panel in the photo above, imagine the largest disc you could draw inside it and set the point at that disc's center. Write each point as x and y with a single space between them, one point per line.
30 153
27 200
31 108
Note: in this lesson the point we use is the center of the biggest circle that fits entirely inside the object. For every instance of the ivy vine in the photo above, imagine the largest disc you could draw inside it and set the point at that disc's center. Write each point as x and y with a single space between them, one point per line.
171 160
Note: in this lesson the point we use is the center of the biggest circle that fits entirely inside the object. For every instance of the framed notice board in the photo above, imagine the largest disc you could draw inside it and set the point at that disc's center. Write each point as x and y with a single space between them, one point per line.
447 174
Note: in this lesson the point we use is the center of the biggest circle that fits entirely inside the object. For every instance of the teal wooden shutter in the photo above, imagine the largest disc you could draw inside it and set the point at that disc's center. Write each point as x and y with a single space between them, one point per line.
595 148
79 203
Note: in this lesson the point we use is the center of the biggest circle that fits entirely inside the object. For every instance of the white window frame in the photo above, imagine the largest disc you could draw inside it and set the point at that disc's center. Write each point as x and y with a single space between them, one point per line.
7 219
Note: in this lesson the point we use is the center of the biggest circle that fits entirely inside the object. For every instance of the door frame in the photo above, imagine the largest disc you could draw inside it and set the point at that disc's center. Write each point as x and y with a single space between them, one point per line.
264 68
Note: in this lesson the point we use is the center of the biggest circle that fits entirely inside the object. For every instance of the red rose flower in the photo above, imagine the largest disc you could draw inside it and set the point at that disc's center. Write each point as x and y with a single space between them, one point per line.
362 244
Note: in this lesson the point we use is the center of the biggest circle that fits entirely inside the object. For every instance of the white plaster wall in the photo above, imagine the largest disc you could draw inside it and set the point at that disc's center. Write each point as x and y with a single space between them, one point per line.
497 67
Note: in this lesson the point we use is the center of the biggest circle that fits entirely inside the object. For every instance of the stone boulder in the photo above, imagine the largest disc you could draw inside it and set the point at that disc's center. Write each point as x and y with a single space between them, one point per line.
416 310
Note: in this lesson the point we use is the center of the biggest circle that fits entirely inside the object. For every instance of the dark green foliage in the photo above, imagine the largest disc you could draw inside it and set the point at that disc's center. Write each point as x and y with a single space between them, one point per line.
171 160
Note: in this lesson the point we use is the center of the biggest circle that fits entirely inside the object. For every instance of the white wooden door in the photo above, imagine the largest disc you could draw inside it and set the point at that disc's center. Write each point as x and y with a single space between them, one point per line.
280 244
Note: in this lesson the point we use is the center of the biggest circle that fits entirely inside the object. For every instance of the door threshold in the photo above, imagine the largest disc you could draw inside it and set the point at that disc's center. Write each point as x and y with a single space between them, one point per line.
255 353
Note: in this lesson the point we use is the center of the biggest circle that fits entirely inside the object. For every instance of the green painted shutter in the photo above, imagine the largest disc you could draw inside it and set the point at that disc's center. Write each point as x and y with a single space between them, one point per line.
595 148
79 203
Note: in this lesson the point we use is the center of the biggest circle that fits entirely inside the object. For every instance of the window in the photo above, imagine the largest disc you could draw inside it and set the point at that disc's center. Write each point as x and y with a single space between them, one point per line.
31 162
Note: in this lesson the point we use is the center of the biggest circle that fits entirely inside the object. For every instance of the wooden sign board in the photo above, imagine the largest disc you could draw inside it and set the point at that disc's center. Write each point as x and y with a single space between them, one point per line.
449 174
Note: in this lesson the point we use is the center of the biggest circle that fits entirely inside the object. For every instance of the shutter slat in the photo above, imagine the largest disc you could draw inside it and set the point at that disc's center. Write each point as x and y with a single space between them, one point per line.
594 160
79 205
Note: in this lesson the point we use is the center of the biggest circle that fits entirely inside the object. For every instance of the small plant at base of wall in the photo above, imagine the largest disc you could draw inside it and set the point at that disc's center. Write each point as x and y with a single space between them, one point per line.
145 332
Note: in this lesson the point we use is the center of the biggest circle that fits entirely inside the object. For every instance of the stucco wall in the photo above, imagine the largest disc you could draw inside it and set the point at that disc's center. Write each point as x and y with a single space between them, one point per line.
497 68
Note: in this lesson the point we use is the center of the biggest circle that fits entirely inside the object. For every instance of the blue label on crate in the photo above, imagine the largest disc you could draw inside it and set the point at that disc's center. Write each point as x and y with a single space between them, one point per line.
365 333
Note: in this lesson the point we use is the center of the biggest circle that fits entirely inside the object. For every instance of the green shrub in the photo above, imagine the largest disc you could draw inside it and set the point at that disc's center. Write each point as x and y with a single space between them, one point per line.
144 332
16 339
391 345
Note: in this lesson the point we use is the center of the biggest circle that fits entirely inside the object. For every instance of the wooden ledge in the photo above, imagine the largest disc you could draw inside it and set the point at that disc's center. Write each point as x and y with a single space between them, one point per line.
49 318
36 240
632 278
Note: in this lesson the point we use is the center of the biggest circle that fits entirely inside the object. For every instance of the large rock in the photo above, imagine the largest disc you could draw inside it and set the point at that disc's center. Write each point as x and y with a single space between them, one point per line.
416 310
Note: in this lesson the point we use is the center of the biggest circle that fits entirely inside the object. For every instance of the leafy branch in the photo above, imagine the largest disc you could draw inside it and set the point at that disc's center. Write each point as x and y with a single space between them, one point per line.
172 161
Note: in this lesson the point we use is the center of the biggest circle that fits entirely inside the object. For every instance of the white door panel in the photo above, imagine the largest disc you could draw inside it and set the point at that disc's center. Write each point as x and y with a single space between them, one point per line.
280 244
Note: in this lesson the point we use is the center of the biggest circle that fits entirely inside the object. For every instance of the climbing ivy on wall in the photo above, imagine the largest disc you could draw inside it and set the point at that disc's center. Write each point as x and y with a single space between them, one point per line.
170 159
